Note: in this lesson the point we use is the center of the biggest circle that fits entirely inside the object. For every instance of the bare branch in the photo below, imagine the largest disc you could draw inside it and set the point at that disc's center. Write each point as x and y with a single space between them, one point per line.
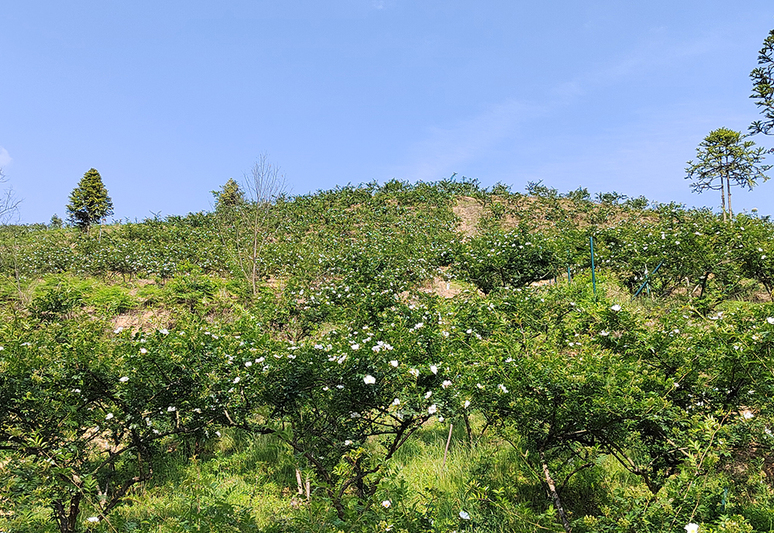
8 201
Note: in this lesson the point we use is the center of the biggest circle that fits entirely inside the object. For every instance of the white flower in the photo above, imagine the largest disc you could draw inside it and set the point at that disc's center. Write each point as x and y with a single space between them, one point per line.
428 394
123 379
386 504
217 433
432 409
354 415
396 401
164 331
109 416
355 347
419 325
369 379
692 528
93 519
604 333
171 409
347 442
248 364
143 351
395 364
414 372
116 331
466 516
236 379
446 383
747 415
616 308
502 387
466 404
433 369
770 320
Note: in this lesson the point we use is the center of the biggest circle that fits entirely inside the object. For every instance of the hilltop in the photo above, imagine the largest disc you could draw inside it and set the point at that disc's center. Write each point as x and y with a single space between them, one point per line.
403 357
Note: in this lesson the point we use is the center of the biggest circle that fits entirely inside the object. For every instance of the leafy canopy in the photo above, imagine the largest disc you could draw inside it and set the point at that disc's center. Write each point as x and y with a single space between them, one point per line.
89 201
724 159
763 87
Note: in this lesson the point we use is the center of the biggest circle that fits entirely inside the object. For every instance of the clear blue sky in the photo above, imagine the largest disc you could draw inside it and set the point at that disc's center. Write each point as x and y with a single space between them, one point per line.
168 99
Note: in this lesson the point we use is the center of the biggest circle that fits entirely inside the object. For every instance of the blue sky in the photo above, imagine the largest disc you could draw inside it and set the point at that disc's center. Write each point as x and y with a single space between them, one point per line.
170 99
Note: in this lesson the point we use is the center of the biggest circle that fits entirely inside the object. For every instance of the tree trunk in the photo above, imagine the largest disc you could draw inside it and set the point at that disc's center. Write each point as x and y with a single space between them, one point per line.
554 494
723 197
67 520
730 212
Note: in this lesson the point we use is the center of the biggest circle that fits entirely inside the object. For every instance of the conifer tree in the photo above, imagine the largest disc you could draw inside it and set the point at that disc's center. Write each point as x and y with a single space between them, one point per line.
229 195
89 201
724 159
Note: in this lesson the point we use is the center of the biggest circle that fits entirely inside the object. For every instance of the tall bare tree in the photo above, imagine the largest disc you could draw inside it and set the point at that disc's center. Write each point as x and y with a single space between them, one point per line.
246 227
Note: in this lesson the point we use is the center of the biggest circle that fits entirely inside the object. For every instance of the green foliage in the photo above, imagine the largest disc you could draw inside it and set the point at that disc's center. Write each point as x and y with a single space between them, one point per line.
511 259
229 196
364 341
89 201
724 159
56 222
763 87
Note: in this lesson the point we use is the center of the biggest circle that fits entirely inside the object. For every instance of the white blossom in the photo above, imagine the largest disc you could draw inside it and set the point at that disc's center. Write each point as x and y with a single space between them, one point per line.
386 504
432 409
446 383
433 369
466 516
369 379
616 308
123 379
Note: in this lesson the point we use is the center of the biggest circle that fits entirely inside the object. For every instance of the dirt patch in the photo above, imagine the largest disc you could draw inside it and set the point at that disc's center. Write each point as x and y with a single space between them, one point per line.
469 211
143 320
442 288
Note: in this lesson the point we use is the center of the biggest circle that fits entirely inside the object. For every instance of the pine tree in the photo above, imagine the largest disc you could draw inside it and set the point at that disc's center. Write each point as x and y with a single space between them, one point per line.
229 195
89 201
724 159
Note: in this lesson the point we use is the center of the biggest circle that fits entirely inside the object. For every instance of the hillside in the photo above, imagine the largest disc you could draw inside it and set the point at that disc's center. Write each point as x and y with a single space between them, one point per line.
427 357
